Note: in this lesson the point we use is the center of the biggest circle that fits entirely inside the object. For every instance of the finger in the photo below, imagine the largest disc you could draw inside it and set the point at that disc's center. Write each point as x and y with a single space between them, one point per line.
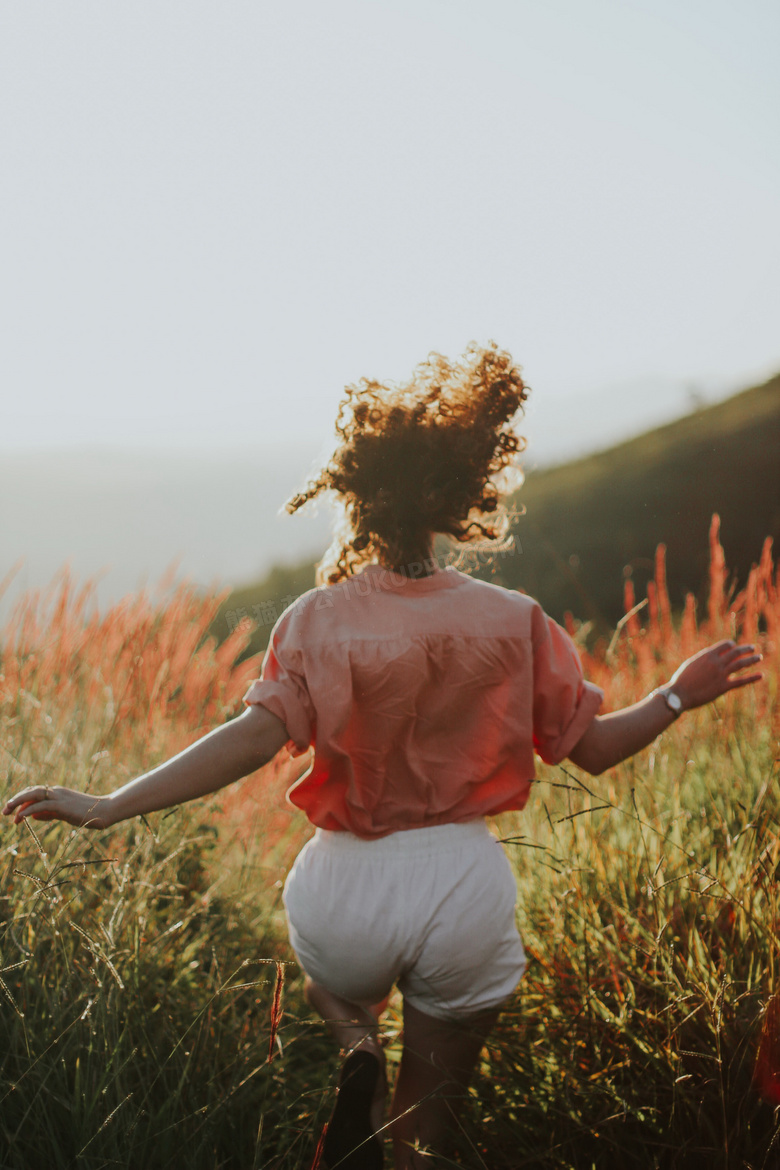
31 808
740 651
745 660
743 682
14 801
20 812
21 807
37 791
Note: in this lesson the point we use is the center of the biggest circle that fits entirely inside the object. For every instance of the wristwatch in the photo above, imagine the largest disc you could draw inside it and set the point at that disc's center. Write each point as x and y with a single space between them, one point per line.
671 698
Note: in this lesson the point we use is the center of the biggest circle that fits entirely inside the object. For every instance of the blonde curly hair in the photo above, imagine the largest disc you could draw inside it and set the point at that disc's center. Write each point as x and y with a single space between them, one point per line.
419 459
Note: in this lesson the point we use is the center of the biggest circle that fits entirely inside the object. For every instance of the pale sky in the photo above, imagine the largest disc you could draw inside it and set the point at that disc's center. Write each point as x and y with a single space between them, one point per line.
217 214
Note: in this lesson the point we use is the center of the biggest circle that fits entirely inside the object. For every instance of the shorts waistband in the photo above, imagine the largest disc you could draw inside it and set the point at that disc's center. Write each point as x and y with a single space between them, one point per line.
433 839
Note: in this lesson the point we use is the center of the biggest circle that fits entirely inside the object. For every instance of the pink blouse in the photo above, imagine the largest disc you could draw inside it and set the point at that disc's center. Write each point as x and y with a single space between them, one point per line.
424 699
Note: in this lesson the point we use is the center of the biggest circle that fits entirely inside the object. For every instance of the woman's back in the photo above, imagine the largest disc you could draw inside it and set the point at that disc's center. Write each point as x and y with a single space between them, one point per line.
424 698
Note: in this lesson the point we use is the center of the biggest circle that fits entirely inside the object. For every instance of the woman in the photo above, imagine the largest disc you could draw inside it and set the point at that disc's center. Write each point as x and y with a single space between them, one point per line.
425 695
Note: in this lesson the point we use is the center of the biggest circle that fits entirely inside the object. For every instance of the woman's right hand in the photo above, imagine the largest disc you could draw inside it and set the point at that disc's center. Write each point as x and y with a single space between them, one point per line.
83 809
707 675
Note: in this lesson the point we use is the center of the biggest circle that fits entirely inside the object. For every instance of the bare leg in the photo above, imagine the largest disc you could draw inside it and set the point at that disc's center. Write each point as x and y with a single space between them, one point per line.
438 1059
355 1027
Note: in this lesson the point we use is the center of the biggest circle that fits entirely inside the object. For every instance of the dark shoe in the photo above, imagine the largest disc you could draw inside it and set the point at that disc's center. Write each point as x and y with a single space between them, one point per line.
350 1142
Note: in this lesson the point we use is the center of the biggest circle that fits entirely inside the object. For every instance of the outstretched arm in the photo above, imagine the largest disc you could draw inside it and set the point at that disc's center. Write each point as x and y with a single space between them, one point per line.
219 758
700 680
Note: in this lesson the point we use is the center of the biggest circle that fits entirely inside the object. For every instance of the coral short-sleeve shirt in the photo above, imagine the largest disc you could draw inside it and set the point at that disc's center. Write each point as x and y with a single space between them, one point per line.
424 699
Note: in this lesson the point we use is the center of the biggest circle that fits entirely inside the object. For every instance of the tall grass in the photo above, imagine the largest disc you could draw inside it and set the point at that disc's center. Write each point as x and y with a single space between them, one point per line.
151 1015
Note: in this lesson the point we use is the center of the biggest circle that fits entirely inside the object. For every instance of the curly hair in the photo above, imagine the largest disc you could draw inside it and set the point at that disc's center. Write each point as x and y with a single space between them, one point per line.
419 459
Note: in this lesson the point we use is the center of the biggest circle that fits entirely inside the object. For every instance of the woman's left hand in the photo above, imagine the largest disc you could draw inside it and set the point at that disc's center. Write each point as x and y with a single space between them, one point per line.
59 804
712 672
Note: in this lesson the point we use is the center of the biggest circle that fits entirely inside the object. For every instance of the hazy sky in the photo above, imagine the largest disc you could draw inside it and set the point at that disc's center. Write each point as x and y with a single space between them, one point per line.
217 214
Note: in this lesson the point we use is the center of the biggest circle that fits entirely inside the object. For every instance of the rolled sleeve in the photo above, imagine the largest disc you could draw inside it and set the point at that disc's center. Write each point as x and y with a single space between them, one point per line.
565 704
282 687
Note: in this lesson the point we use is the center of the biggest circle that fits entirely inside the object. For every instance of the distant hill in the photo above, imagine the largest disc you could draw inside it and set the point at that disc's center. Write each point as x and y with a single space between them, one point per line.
588 521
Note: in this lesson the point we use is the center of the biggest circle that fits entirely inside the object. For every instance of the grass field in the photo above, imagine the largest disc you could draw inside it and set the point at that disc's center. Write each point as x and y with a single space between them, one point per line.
151 1014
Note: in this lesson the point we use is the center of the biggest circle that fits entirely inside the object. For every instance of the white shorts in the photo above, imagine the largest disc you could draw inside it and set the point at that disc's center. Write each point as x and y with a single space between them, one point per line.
431 910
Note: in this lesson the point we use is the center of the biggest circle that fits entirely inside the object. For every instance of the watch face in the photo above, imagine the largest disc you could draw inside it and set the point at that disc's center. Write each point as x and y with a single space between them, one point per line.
674 701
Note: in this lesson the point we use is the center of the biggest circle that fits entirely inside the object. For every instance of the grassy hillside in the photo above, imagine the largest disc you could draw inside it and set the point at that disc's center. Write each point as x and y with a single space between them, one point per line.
588 522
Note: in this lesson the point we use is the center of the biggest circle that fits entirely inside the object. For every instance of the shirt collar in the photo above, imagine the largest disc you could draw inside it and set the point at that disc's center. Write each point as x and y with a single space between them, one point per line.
410 581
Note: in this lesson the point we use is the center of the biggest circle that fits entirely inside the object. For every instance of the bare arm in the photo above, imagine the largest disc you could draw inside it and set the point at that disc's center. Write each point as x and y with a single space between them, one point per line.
700 680
219 758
